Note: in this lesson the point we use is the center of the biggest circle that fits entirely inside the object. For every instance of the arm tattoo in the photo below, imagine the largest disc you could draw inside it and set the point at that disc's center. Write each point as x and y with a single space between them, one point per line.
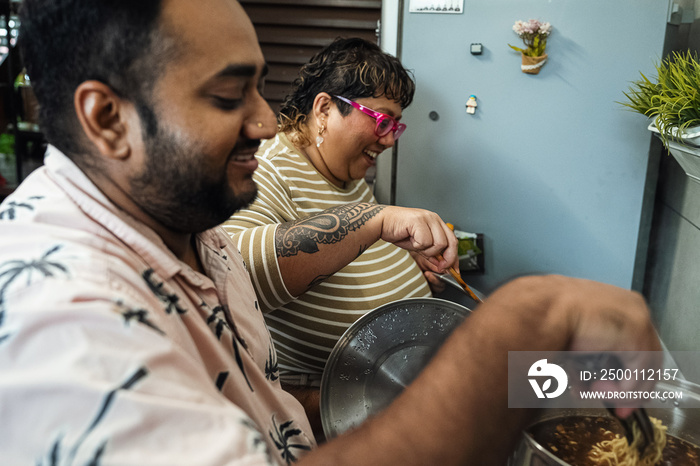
328 227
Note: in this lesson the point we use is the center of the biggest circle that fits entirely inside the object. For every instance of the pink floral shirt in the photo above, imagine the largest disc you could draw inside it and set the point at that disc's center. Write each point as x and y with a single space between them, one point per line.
114 351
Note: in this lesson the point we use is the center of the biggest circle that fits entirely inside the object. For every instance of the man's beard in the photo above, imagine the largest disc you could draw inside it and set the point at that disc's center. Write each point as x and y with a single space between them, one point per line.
175 188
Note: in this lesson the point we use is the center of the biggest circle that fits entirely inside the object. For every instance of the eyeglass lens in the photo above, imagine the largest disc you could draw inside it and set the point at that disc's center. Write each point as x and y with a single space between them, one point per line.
384 125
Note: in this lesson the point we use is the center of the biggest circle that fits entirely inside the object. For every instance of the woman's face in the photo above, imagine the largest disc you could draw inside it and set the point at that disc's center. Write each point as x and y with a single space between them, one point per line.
350 146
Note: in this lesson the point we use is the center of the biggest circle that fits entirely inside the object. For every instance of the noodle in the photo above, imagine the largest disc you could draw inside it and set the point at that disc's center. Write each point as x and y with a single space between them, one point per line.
618 452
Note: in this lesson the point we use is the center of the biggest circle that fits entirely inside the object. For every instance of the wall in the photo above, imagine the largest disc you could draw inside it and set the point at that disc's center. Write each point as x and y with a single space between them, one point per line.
550 168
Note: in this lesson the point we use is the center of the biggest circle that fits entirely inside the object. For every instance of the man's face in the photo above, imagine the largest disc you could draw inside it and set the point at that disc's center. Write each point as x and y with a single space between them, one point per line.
209 114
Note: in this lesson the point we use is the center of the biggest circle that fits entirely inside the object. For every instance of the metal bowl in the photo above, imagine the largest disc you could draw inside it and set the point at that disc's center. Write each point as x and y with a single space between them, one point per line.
682 418
379 355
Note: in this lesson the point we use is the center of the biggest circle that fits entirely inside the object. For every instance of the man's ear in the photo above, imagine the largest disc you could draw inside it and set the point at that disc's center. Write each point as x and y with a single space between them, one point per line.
102 116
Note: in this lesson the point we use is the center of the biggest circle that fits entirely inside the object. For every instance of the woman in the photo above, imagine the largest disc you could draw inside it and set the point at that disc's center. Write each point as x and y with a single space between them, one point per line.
344 111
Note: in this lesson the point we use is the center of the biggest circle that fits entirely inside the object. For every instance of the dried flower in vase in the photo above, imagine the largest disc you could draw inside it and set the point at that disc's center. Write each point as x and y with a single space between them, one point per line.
534 35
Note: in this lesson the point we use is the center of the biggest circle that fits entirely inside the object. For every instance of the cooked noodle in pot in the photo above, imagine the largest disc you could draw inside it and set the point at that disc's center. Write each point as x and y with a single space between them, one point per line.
618 452
600 441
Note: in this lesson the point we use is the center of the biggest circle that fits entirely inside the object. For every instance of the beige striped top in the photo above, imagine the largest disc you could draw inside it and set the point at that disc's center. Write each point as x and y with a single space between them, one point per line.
306 328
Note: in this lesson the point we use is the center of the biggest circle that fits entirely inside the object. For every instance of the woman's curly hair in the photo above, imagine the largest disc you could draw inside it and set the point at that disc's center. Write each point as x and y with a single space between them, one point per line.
353 68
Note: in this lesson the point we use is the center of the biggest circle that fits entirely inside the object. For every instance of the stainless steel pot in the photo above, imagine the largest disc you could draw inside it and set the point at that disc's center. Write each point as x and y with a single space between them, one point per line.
682 418
379 355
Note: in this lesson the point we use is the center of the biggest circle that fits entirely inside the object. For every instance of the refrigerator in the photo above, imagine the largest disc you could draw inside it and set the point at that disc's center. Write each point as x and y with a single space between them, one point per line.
554 172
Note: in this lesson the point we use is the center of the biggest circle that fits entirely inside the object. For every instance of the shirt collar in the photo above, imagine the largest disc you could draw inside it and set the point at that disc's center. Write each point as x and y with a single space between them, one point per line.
123 226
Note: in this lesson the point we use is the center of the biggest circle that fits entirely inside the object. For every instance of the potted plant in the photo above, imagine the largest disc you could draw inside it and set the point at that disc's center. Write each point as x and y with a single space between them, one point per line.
672 101
534 35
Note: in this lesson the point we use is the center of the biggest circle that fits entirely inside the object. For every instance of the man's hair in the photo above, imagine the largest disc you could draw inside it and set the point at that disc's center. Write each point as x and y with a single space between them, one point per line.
66 42
352 68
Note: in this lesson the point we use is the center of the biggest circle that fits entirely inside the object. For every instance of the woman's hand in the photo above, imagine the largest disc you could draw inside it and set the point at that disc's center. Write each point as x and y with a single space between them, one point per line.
437 285
422 232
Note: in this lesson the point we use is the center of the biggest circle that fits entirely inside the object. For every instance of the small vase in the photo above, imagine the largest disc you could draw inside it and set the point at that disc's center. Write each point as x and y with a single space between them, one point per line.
532 65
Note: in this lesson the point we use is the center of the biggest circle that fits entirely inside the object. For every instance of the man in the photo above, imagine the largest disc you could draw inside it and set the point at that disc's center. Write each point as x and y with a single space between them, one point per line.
129 329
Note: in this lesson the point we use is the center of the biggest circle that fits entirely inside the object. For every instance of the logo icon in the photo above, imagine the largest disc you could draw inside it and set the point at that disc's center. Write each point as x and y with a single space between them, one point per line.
542 369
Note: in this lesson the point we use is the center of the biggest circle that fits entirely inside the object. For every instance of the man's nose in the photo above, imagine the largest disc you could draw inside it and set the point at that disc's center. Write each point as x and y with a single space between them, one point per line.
263 123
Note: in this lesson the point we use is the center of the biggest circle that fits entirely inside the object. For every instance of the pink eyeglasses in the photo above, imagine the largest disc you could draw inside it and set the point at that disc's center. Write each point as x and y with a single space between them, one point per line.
385 123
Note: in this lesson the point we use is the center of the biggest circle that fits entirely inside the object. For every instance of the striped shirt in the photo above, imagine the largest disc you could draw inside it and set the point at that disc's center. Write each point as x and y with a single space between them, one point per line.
305 328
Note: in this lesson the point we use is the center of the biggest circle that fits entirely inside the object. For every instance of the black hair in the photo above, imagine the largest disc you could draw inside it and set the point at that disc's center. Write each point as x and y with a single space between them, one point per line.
353 68
67 42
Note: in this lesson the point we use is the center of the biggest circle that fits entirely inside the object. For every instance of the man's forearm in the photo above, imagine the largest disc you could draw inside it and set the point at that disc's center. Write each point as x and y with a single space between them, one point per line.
456 412
458 405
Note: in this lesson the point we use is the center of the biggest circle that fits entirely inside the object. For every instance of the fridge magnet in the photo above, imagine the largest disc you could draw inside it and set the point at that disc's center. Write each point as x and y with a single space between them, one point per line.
534 35
471 104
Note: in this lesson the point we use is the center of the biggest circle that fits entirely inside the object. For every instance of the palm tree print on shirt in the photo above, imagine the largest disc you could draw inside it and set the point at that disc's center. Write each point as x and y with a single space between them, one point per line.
138 315
169 299
217 322
221 380
11 208
282 436
272 368
13 270
223 256
56 455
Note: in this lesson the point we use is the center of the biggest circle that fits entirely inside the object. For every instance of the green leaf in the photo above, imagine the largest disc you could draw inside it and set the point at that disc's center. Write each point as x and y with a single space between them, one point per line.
673 97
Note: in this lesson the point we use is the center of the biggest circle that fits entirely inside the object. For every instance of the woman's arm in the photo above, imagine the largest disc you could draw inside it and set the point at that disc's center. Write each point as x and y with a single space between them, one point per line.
312 249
